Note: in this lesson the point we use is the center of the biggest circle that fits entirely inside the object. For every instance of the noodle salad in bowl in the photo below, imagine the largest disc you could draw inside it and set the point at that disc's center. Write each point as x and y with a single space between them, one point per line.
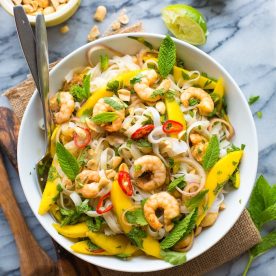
142 154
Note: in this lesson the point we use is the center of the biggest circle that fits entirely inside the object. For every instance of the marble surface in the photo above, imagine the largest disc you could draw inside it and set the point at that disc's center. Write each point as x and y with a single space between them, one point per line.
242 37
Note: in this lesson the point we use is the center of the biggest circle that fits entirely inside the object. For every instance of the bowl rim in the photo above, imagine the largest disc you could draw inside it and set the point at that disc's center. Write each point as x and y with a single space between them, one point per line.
8 6
254 139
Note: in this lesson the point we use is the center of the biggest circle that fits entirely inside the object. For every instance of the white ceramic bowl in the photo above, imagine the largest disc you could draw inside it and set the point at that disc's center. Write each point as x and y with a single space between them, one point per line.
31 145
51 19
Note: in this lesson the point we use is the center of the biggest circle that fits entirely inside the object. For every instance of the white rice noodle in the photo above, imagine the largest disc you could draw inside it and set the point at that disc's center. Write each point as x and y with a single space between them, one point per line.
157 135
139 194
155 149
174 147
129 153
61 200
223 146
112 222
155 116
191 81
106 158
125 63
158 235
229 131
215 207
200 172
75 198
93 214
186 109
98 146
105 190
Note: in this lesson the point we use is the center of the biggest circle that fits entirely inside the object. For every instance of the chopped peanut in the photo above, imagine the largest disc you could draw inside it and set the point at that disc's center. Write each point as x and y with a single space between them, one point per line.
100 13
48 10
116 25
64 29
94 33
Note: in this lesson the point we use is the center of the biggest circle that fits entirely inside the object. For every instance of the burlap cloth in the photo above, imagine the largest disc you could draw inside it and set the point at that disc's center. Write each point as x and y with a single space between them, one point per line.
239 239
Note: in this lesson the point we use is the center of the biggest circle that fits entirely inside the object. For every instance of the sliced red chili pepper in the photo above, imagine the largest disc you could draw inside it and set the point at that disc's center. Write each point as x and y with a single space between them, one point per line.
97 251
125 183
171 126
100 209
80 142
142 132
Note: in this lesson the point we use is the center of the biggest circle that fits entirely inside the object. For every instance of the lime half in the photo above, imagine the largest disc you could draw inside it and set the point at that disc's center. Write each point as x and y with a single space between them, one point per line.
186 23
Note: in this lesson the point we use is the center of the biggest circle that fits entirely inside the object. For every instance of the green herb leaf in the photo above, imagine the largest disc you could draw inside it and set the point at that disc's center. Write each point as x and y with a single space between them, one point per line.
143 143
113 86
259 114
195 201
92 246
269 214
136 79
185 76
104 60
53 173
166 56
193 101
178 182
67 162
94 224
143 41
261 198
174 258
105 117
157 92
181 230
136 235
212 153
113 103
123 256
253 99
136 217
81 93
268 242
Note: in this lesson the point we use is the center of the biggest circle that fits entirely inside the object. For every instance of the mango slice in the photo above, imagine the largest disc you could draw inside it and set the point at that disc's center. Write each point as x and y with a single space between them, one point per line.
174 113
112 244
219 91
101 92
83 248
202 82
72 231
216 178
122 202
237 179
53 141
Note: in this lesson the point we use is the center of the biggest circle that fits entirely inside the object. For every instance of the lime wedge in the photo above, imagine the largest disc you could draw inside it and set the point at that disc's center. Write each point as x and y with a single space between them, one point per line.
186 23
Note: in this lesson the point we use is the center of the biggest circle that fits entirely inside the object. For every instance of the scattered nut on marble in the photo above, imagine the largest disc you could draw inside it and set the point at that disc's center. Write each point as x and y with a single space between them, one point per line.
33 7
64 29
100 13
123 18
94 33
116 25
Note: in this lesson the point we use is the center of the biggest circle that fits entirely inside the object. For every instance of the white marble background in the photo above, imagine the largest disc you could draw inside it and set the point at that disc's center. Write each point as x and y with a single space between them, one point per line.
242 37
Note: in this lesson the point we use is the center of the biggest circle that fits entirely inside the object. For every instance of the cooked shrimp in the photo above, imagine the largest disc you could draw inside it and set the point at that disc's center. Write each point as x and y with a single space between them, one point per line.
199 147
101 107
149 172
144 90
89 184
62 105
165 201
206 105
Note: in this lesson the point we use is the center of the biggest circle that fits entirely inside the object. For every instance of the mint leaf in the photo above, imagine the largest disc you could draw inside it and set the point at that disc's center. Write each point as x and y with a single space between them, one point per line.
195 201
143 143
81 93
113 103
94 224
174 258
193 101
212 153
178 182
113 86
261 198
67 162
181 230
136 235
269 214
166 56
136 217
104 60
105 117
268 242
253 99
136 79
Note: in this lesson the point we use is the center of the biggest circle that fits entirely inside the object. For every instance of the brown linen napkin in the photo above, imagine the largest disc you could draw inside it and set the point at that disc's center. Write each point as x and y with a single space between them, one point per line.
242 236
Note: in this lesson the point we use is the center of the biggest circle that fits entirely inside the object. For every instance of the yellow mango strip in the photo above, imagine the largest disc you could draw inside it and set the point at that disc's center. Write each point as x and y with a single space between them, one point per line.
103 92
216 178
174 113
122 202
131 250
72 231
83 248
53 141
49 193
219 91
54 210
237 179
112 244
202 82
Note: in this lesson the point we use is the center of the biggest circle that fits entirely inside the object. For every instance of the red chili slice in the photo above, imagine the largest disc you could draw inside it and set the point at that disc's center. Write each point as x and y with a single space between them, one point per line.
80 142
171 126
125 183
100 209
142 132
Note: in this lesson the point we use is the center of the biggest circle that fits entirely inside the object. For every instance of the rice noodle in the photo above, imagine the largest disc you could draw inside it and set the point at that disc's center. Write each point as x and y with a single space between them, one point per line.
158 235
215 206
112 222
231 131
75 198
106 157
